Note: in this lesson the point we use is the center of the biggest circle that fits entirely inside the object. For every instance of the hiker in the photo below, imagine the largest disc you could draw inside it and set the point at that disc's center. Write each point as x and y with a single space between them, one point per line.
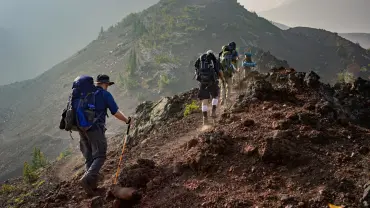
247 64
93 143
235 57
228 59
207 74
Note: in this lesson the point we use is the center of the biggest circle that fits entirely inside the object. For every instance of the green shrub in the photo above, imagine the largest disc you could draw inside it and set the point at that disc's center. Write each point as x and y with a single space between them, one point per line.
163 81
64 154
7 188
38 159
29 175
345 77
132 65
191 108
162 59
38 184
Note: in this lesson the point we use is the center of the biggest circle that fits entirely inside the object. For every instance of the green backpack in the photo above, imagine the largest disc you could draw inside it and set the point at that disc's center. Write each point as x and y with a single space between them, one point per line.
226 62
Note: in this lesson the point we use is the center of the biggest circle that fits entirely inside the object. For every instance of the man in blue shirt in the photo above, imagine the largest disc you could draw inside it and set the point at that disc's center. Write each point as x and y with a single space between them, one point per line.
93 143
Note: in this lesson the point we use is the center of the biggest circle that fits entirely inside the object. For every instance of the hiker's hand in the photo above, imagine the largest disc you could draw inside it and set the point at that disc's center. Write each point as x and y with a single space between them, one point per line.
129 120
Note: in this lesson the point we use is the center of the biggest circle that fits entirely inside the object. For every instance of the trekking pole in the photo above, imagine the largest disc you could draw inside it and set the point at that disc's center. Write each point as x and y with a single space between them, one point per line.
123 151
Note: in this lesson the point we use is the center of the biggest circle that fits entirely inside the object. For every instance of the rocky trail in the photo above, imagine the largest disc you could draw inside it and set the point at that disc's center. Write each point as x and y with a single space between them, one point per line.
286 141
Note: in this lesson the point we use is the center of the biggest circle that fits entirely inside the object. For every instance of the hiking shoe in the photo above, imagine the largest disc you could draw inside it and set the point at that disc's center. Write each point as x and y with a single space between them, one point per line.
86 186
205 118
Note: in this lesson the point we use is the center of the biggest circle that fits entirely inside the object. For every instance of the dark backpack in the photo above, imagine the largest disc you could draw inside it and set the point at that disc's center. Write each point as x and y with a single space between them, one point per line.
80 111
206 73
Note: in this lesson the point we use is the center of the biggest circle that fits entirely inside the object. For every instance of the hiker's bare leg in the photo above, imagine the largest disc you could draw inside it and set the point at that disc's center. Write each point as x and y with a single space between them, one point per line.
223 90
204 111
228 84
214 106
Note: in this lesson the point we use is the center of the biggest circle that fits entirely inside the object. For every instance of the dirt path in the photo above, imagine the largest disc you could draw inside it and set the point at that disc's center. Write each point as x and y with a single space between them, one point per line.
69 167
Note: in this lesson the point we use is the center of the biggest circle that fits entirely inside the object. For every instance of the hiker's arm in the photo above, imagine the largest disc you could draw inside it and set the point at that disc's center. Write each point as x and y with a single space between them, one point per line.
221 75
112 105
120 116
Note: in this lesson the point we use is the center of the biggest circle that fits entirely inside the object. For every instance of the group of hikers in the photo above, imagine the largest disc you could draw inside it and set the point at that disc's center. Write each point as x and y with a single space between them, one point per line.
89 101
209 70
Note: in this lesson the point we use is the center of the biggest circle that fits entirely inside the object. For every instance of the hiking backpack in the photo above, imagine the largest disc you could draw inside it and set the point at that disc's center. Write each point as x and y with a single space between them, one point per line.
227 63
206 73
80 111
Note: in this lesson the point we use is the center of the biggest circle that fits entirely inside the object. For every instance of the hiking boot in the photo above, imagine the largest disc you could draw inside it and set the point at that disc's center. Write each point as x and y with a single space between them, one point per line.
205 118
213 114
86 186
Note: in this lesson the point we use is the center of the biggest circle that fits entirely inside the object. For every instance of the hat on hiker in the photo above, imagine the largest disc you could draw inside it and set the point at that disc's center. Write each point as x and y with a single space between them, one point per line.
102 78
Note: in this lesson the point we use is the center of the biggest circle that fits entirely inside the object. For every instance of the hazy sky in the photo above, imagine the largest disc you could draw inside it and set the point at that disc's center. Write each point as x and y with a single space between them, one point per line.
260 5
49 31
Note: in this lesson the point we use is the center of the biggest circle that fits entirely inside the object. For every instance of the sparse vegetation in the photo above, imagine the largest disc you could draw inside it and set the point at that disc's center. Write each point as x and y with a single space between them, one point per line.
38 159
7 188
163 81
101 33
130 70
345 77
127 82
191 108
29 175
64 154
162 59
38 184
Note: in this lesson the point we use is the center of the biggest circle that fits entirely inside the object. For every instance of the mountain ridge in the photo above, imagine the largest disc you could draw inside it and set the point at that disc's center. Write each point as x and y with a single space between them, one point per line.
151 54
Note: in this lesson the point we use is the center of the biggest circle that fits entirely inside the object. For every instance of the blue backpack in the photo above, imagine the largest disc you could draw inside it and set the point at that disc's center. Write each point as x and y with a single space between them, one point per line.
80 112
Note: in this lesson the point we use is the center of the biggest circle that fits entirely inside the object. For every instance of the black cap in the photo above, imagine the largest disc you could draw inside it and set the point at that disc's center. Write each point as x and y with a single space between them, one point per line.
102 78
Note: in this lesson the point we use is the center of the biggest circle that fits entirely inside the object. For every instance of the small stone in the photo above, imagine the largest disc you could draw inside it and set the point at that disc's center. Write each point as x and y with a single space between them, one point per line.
144 142
97 202
249 150
364 150
248 122
192 143
281 124
150 185
301 204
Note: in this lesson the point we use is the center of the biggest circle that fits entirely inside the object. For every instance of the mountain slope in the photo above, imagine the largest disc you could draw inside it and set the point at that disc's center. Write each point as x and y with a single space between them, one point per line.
340 16
287 142
281 26
361 38
151 54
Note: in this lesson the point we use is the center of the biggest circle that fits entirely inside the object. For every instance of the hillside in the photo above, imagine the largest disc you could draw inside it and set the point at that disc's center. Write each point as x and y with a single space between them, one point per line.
335 15
361 38
279 25
286 141
151 54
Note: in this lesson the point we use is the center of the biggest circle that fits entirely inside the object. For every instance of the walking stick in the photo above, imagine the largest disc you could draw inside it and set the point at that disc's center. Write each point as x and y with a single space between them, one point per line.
123 151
